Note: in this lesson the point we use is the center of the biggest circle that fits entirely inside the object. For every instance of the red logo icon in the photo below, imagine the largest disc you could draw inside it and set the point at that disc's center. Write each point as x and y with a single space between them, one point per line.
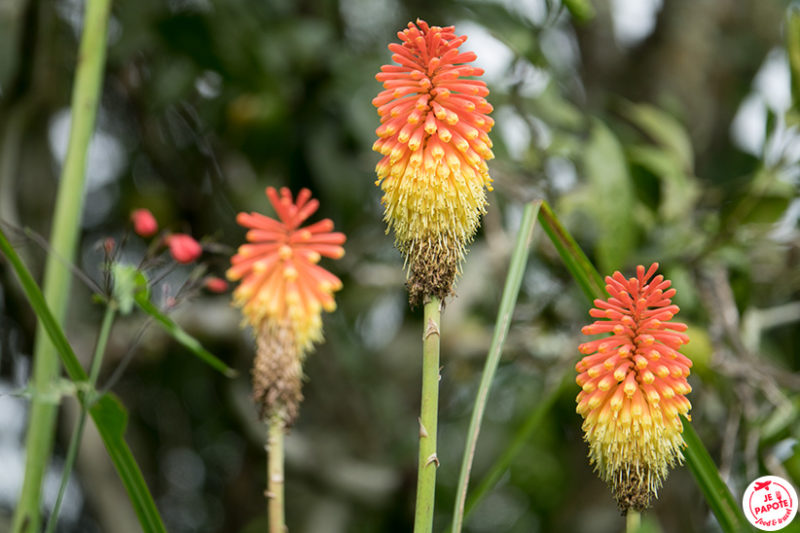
770 503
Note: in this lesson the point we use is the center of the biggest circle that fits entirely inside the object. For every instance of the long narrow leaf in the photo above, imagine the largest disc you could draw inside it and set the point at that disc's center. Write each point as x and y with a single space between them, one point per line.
719 497
111 418
575 260
180 335
36 299
519 258
522 436
108 414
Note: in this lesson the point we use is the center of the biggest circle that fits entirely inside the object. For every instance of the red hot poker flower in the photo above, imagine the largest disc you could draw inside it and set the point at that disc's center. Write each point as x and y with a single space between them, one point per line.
634 386
281 282
435 143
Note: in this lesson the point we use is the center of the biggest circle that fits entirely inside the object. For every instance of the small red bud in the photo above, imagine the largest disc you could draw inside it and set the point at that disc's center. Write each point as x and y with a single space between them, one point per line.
215 284
108 245
183 248
144 223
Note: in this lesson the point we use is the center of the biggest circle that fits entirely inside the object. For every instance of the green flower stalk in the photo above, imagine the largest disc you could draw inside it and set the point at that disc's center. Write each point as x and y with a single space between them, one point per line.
64 238
434 141
282 293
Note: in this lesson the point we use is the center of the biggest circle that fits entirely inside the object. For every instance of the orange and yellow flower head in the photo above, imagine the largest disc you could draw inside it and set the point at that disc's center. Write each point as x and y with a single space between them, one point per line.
282 292
634 386
434 141
281 281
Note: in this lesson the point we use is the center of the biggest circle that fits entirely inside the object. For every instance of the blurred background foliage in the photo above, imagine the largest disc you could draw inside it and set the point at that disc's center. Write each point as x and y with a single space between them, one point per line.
659 131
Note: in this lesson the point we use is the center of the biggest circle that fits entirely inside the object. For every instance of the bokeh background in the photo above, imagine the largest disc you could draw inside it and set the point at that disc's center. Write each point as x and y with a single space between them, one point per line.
659 131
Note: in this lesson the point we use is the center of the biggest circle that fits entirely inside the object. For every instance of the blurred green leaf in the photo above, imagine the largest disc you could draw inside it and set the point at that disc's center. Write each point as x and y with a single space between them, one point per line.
111 418
792 464
718 496
699 350
581 10
611 196
784 416
576 261
180 335
43 313
664 130
766 199
108 414
765 209
128 280
679 191
793 49
521 437
505 24
553 108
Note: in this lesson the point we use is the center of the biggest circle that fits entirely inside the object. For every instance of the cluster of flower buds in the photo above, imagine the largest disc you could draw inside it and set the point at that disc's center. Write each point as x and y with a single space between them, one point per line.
183 248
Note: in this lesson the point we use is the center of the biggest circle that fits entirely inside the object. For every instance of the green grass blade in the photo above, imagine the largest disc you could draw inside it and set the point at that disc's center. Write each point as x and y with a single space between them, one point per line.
723 505
522 436
792 31
111 418
64 235
180 335
582 270
108 415
519 259
42 310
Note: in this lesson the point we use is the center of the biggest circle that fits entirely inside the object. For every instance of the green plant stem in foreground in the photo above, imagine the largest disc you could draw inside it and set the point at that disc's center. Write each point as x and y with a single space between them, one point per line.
64 236
519 259
77 434
633 521
275 476
428 460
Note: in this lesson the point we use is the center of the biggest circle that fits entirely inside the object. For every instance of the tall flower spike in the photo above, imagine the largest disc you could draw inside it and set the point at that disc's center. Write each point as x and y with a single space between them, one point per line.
435 143
283 292
634 386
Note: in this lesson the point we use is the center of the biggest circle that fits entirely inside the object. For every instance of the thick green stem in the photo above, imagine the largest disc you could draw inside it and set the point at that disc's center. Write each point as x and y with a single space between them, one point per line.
277 520
428 461
633 521
64 236
519 259
77 434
